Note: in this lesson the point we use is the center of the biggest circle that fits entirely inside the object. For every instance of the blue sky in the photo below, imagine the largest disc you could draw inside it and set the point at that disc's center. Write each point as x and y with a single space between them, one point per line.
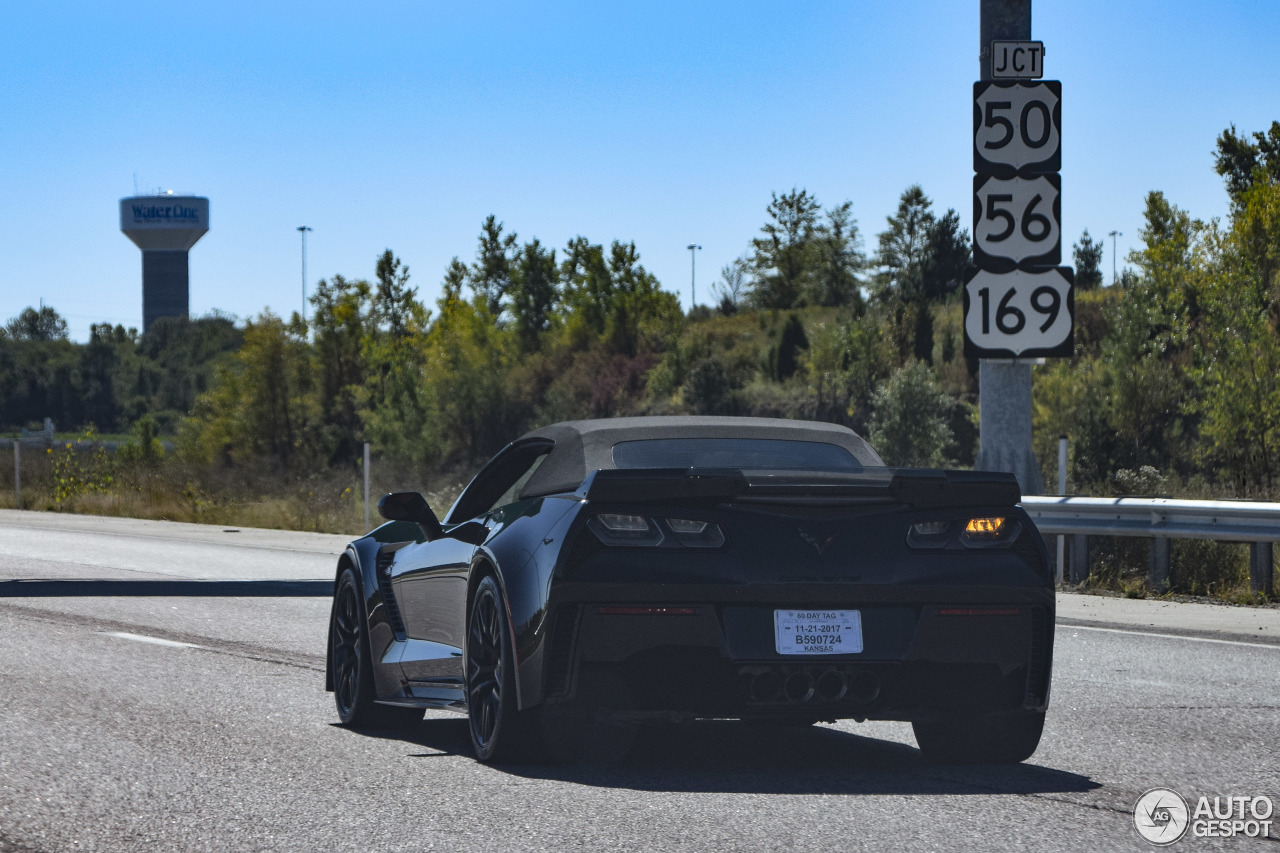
402 125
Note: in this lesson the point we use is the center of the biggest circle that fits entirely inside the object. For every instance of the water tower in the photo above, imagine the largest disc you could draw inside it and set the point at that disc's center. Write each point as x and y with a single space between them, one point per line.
164 227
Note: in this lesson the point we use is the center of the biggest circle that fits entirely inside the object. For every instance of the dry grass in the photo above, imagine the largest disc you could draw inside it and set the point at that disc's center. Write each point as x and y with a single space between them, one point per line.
328 501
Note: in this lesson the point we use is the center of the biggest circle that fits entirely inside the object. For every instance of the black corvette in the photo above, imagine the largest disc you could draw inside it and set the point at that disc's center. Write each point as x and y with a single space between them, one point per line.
671 568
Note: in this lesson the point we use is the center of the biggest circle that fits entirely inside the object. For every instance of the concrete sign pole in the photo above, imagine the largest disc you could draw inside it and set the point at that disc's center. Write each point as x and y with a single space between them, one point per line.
1004 385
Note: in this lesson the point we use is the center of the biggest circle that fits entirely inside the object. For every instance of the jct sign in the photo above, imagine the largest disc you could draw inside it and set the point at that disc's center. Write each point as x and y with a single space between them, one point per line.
1020 303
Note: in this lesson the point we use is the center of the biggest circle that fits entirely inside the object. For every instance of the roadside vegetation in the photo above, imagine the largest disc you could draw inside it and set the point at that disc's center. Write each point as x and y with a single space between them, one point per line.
1174 388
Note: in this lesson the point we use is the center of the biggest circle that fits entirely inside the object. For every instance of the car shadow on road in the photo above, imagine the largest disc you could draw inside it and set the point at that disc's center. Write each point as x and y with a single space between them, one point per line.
734 757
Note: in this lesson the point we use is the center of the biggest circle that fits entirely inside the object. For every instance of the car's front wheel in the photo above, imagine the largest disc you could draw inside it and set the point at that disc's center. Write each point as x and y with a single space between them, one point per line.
353 690
1004 738
499 730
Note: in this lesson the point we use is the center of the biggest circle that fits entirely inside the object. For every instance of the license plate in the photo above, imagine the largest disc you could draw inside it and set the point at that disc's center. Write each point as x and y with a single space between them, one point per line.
817 632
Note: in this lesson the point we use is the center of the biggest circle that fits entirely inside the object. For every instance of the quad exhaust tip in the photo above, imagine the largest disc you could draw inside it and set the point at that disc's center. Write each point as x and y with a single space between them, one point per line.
802 686
798 687
766 687
831 686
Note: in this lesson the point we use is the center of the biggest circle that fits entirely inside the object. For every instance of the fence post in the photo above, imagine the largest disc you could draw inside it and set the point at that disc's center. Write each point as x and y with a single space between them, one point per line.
1079 558
17 473
1260 571
1158 572
366 486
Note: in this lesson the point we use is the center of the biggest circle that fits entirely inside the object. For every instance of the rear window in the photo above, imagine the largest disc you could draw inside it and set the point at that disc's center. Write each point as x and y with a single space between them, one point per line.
751 453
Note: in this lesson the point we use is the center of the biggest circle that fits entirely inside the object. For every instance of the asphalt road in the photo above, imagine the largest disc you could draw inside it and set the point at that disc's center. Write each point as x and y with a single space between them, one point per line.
163 690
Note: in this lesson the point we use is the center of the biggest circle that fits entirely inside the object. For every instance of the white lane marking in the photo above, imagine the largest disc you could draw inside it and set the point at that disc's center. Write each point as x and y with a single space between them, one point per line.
1066 627
155 641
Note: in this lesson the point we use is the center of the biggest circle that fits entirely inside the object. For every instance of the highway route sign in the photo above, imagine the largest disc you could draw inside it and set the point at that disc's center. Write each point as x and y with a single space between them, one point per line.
1017 127
1019 314
1017 222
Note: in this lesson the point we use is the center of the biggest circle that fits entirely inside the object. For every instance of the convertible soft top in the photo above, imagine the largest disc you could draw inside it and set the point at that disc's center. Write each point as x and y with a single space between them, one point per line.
585 446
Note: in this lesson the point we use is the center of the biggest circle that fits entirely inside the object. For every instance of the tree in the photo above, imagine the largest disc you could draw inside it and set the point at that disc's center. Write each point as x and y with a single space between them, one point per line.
534 290
1172 240
1088 257
588 287
341 323
455 276
42 325
731 287
394 407
784 258
495 259
909 419
923 259
1243 163
840 260
99 366
395 305
904 247
948 256
785 356
261 409
1238 349
616 301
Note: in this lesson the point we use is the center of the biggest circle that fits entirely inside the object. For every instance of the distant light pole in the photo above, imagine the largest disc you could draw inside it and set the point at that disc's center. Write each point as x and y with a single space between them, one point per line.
1113 235
304 229
693 278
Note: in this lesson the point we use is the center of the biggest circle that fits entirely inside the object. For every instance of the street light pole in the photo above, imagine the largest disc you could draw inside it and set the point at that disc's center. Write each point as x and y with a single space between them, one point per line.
693 279
304 229
1113 235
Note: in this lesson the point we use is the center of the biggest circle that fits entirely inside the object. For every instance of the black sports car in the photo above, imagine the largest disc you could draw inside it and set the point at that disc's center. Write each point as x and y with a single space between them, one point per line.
668 568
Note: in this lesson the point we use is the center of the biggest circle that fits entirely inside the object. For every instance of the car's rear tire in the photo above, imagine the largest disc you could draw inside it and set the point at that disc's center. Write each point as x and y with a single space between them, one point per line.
353 690
500 731
1003 738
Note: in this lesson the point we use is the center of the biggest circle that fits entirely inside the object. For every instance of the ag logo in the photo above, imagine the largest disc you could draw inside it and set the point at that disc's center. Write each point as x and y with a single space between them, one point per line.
1161 816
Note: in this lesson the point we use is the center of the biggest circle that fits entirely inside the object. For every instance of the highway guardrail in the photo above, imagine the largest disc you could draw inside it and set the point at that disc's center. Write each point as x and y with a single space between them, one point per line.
1160 520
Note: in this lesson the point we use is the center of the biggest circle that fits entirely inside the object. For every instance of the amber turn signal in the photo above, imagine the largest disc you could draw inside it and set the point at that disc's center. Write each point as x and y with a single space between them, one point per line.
984 528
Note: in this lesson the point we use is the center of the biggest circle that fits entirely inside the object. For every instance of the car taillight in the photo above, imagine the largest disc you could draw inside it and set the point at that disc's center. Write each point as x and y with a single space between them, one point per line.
613 528
987 531
618 523
623 529
984 527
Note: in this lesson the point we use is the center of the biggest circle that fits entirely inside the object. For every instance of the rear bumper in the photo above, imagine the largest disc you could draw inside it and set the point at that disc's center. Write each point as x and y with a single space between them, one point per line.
927 651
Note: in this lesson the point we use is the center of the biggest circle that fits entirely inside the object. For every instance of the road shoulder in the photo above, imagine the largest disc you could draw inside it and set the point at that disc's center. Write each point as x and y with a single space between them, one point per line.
1188 619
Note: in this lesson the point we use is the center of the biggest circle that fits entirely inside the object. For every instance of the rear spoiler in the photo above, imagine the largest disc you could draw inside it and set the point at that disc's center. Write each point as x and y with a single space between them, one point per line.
916 487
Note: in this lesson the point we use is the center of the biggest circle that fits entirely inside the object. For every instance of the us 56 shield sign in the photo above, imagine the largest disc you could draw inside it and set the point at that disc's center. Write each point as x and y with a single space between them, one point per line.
1016 222
1019 314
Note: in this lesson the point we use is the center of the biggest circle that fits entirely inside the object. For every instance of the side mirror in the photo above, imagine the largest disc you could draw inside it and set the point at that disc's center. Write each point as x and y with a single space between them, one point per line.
410 506
470 532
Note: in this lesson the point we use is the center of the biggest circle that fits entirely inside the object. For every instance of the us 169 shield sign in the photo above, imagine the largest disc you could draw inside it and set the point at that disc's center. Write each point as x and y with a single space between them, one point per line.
1019 314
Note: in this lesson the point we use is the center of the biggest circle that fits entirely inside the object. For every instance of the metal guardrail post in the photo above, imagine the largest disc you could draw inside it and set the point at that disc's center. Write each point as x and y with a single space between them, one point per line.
366 486
1079 547
17 473
1260 568
1158 573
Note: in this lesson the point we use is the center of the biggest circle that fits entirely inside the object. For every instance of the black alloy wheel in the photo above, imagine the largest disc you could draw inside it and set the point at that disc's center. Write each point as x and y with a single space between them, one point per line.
353 690
499 730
